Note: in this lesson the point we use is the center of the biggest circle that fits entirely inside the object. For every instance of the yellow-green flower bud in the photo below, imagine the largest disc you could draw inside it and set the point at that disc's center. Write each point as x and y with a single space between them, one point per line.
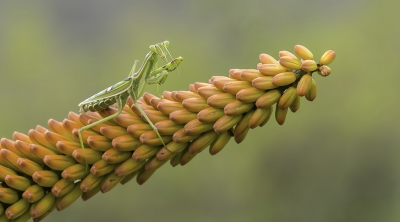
271 69
309 65
219 143
286 53
43 205
226 122
17 182
280 115
33 193
312 92
290 62
267 59
62 187
295 104
283 79
303 52
8 195
17 209
74 172
304 85
66 200
328 57
268 99
45 178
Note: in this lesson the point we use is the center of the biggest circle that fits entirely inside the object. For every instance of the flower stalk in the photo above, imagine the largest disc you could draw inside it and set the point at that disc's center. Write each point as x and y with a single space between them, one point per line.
45 170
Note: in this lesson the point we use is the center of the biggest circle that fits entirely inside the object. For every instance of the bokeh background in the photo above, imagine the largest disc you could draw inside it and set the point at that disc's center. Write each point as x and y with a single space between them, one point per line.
336 159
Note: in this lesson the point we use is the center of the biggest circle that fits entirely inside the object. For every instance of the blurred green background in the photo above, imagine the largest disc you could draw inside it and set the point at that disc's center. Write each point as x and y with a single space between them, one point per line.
336 159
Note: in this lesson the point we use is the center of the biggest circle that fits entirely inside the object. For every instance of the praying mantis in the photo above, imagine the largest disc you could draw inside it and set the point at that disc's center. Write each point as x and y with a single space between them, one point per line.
119 92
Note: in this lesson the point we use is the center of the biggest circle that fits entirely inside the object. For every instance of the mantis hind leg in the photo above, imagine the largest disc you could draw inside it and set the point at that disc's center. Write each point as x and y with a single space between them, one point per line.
132 94
121 103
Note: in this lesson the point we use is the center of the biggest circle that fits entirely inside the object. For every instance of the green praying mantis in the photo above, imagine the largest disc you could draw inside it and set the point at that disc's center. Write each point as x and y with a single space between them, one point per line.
119 92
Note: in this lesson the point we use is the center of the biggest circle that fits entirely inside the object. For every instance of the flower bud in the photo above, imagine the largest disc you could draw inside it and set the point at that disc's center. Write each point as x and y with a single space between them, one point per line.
271 69
74 172
28 166
66 200
144 152
210 114
8 195
167 127
58 162
196 127
263 82
309 65
196 104
324 71
86 156
113 156
250 74
304 85
286 53
219 143
235 86
259 116
249 95
167 107
181 137
17 209
312 92
303 52
295 104
242 127
62 187
126 143
101 168
109 182
268 99
220 100
4 171
283 79
289 62
287 98
42 206
267 59
45 178
33 193
17 182
127 167
99 142
280 115
237 107
220 81
226 122
182 116
202 142
328 57
90 182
